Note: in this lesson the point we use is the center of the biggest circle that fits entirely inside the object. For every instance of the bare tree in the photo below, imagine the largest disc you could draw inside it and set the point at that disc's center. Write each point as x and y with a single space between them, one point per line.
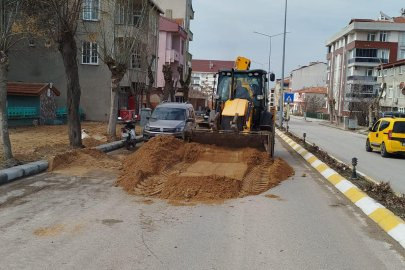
9 12
169 88
151 78
361 96
58 20
375 105
313 103
118 33
185 83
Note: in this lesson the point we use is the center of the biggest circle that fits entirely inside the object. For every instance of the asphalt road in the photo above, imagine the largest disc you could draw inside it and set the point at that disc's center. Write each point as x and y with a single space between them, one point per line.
345 145
53 221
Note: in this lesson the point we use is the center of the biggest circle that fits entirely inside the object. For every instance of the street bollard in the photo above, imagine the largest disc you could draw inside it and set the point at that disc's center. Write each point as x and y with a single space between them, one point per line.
304 135
354 163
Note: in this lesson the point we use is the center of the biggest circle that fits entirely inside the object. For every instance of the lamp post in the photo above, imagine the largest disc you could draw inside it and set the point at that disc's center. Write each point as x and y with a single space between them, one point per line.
280 123
269 36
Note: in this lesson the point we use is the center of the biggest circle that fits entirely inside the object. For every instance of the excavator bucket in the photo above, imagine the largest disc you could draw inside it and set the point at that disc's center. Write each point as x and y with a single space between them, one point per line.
260 140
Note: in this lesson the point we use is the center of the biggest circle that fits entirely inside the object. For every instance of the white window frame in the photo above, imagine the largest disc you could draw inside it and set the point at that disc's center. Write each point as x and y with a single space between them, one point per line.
91 10
390 91
392 71
384 36
93 53
401 69
369 35
385 72
402 54
399 92
137 65
120 14
369 72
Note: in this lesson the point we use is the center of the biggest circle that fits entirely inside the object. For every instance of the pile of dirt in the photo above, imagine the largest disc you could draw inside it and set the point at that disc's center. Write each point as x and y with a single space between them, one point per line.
168 168
91 142
81 161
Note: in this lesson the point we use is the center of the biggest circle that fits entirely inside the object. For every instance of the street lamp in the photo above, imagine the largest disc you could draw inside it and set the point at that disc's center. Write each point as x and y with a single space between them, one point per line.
282 71
269 36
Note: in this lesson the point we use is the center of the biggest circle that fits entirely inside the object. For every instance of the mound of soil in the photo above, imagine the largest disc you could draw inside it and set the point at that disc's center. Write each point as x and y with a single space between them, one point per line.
168 168
91 142
81 161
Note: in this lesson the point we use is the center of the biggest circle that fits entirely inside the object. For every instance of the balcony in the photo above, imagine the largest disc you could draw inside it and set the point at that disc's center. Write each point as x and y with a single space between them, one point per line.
190 35
366 60
172 56
361 79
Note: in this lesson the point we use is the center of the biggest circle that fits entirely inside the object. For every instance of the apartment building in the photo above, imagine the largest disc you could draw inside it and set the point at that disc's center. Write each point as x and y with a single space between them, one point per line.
40 64
354 52
172 39
203 73
304 77
394 77
183 12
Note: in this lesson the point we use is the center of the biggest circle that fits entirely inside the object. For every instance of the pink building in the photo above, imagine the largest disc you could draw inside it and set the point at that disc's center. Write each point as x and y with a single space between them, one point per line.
172 38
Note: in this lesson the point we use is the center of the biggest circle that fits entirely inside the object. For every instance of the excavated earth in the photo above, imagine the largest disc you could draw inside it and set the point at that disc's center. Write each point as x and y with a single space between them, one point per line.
168 168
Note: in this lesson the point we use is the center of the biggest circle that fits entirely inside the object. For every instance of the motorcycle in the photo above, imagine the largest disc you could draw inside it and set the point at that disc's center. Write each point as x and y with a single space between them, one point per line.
128 134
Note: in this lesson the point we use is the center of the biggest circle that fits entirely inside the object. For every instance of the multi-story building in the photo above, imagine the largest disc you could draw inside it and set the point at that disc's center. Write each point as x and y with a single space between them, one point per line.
277 92
394 78
181 11
202 77
44 64
304 77
352 54
172 39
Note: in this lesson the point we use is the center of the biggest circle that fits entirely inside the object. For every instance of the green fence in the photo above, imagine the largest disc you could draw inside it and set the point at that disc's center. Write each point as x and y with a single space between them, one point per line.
62 111
21 111
323 116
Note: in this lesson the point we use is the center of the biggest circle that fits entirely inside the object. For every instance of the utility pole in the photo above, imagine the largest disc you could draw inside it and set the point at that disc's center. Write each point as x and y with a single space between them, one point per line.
281 101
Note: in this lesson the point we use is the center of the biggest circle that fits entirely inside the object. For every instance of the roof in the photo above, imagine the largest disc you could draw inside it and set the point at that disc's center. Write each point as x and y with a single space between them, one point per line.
392 64
175 105
29 89
393 20
210 66
314 90
154 4
179 21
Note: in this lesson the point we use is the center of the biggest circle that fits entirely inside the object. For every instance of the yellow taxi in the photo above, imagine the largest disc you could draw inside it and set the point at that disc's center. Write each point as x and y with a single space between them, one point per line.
387 135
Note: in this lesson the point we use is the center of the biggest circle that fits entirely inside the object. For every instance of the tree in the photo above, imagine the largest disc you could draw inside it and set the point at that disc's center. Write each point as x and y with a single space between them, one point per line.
375 105
361 95
118 34
9 13
185 84
58 20
312 103
169 89
151 78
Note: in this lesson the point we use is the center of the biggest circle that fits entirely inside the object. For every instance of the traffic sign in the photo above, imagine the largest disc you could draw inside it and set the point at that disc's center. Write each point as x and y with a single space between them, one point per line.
288 98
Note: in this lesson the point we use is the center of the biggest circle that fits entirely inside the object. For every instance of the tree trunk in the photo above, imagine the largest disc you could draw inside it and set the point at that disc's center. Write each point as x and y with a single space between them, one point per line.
147 96
112 123
5 138
68 49
185 93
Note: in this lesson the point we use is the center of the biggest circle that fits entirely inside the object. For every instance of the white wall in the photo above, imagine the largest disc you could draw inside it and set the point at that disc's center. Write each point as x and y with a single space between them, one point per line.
308 77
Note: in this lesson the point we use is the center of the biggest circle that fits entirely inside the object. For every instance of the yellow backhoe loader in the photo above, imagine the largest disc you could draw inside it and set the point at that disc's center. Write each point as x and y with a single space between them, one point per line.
240 116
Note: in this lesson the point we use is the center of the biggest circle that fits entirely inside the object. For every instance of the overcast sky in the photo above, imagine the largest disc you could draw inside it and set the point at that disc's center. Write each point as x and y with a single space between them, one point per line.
223 29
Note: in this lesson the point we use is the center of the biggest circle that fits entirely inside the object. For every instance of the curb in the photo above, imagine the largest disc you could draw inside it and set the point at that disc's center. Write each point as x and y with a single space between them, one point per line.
384 218
17 172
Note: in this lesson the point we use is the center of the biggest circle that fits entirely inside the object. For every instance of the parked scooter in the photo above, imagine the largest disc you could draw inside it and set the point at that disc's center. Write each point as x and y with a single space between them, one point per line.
128 133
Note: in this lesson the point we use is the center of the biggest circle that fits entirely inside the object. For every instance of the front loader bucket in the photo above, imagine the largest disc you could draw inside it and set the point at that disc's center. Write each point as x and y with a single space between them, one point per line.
259 140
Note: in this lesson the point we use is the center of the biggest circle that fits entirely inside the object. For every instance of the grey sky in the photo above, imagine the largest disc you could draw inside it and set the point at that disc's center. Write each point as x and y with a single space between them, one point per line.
223 29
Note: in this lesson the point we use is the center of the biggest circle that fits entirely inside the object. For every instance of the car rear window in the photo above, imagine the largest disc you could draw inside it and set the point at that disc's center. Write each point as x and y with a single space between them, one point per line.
384 125
399 127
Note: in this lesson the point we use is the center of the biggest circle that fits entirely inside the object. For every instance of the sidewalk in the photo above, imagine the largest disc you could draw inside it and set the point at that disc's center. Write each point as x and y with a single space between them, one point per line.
360 130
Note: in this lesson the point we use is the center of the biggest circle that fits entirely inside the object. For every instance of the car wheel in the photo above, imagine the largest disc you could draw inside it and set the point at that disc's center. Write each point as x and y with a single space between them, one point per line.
384 152
368 147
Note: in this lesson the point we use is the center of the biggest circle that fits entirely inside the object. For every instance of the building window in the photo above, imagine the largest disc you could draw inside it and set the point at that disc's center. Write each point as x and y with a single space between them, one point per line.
369 53
400 69
384 54
371 37
120 13
399 92
390 91
383 36
369 72
385 72
182 47
136 62
89 53
91 10
402 54
392 71
136 14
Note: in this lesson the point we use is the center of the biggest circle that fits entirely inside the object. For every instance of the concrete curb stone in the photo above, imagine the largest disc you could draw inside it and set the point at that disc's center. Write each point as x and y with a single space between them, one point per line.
18 172
388 221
